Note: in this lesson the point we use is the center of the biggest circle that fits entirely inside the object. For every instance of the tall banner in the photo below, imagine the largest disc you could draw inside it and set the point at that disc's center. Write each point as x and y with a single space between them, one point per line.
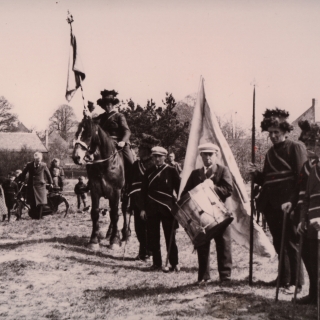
75 69
205 128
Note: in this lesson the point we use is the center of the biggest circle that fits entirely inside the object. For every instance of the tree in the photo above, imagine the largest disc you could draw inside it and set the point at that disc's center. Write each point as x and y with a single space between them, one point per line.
63 121
7 119
160 122
11 161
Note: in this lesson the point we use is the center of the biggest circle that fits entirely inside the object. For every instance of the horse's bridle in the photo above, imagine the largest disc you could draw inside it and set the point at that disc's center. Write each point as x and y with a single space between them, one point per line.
84 146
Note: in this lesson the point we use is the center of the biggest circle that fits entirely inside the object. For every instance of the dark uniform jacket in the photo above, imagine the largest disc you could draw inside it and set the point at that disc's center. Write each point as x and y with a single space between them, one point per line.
219 174
175 165
36 190
302 185
137 172
280 174
158 186
115 124
310 207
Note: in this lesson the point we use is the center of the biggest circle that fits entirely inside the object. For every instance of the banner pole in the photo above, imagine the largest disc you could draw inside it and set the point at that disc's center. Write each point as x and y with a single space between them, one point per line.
253 160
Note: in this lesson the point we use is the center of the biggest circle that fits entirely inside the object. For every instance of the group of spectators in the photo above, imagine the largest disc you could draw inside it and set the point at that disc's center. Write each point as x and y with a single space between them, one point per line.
30 184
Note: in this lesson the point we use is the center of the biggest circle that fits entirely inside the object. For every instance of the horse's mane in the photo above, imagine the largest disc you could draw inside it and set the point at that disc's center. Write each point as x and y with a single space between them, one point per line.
98 136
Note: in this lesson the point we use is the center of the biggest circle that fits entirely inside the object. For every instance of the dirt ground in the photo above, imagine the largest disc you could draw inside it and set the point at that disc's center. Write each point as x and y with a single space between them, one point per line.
46 272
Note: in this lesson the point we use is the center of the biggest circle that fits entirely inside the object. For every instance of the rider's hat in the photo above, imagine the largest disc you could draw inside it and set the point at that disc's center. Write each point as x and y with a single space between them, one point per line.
276 118
107 97
159 151
208 147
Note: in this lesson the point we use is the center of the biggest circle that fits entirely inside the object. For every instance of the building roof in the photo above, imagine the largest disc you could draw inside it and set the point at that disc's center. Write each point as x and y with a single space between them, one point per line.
55 137
15 141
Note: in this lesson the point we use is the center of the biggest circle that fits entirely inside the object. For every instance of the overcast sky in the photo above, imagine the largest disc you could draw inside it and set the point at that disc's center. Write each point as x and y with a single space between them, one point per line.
143 49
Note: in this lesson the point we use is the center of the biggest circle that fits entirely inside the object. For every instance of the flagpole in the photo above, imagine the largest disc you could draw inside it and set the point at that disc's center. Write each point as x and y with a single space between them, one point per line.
70 20
253 160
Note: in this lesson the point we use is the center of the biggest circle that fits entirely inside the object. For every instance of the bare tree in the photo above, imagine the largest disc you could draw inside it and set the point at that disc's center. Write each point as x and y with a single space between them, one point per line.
63 121
7 119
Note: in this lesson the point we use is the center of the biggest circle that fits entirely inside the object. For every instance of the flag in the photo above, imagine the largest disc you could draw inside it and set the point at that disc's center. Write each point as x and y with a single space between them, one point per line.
205 128
75 70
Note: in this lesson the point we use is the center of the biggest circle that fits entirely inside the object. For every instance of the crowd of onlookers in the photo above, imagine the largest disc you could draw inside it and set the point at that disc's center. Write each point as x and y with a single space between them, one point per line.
15 186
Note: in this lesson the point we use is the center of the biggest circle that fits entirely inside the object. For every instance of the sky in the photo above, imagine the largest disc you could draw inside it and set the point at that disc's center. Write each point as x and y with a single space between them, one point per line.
145 48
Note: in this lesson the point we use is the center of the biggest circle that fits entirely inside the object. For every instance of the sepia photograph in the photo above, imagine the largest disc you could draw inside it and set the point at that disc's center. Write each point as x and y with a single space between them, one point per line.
160 159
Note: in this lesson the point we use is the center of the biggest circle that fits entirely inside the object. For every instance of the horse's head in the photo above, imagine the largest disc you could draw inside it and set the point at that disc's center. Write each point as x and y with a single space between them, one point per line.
84 141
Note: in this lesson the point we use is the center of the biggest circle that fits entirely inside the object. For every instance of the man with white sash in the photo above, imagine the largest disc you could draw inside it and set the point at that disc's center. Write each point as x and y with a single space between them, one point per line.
158 186
222 180
308 196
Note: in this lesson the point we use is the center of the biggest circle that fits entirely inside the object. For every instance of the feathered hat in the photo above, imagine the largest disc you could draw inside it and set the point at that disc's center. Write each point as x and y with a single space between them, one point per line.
310 132
148 141
107 97
276 118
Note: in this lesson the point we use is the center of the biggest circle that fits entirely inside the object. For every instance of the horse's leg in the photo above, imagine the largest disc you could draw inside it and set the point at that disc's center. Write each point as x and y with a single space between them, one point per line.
126 213
65 201
109 231
94 240
114 218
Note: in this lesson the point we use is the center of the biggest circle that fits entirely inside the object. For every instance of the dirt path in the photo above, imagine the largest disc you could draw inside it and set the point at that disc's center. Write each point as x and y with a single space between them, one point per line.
46 272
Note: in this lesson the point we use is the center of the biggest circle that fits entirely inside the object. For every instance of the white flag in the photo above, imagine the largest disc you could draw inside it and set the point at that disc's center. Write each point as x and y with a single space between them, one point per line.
205 128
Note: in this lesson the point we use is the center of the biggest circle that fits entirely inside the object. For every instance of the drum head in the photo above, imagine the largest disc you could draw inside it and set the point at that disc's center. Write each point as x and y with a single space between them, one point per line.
211 232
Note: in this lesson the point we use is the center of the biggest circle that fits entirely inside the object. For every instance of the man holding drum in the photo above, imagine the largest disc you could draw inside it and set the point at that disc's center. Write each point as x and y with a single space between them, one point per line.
158 186
221 177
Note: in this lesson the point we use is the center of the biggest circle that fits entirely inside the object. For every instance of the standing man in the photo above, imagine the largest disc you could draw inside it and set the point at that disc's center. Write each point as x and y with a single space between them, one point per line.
36 189
174 164
137 173
221 177
306 198
158 186
279 180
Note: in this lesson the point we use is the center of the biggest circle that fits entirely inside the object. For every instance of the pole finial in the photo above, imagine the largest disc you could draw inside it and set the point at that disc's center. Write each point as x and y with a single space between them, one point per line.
254 83
69 18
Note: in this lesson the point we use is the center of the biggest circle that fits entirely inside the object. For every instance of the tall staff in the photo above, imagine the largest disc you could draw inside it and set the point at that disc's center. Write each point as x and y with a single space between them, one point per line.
253 160
75 70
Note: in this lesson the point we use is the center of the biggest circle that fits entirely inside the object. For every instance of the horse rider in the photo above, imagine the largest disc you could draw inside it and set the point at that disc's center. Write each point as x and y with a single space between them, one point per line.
158 186
115 124
36 188
221 177
279 179
139 168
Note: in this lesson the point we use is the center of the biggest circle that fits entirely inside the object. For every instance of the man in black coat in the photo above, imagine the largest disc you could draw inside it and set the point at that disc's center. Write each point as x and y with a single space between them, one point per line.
158 186
221 177
279 180
139 168
36 189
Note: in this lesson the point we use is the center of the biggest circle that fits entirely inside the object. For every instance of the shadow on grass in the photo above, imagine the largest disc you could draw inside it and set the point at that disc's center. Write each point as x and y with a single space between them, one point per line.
190 302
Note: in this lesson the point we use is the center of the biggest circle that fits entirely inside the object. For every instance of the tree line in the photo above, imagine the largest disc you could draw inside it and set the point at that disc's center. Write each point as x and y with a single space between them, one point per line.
161 121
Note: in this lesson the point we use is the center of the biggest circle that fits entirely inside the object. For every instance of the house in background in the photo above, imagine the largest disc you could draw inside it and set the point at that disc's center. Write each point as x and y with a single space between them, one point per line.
312 114
17 141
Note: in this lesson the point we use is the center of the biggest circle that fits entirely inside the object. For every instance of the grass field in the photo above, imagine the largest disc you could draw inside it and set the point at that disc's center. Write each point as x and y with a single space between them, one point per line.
46 272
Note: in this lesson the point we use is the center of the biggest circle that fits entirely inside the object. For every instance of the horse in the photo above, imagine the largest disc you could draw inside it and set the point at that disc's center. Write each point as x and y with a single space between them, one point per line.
105 168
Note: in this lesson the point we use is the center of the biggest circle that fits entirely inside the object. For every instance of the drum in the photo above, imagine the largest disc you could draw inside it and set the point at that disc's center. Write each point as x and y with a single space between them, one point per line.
202 214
